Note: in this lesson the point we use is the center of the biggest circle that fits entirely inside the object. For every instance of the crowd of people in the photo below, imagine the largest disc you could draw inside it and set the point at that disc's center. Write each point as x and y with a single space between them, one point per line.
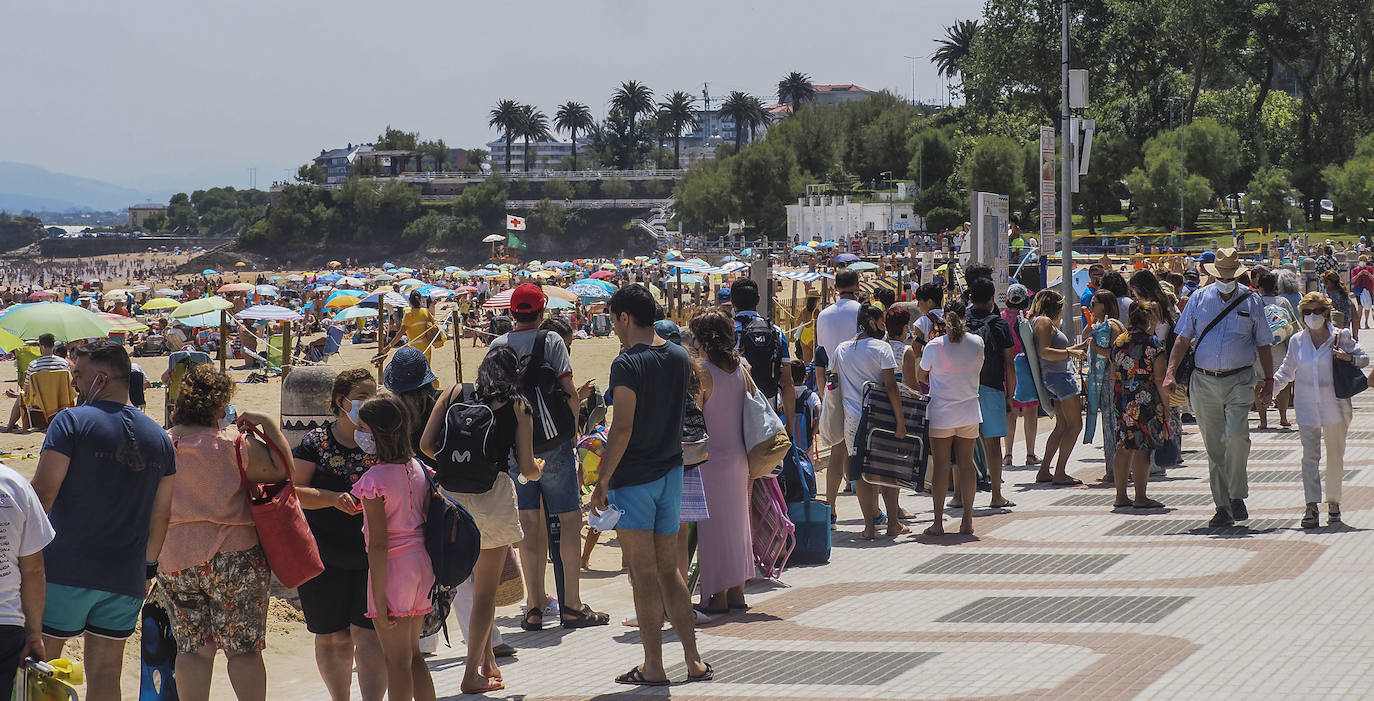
118 503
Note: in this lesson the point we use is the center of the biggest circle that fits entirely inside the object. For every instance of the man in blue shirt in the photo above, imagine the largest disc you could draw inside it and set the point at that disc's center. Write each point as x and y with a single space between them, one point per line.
105 477
1222 387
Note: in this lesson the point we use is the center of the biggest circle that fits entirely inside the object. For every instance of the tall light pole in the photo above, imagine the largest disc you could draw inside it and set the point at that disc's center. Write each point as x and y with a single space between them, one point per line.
1066 172
913 77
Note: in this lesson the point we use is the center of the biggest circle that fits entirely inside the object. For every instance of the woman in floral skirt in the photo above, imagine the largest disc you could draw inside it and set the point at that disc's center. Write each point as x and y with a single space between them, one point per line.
1141 414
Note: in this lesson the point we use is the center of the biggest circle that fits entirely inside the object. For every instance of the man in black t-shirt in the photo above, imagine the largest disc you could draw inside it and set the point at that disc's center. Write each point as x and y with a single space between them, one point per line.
996 382
641 475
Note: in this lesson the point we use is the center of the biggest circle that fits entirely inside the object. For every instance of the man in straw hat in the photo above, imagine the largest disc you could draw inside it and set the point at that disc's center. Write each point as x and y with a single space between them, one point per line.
1222 385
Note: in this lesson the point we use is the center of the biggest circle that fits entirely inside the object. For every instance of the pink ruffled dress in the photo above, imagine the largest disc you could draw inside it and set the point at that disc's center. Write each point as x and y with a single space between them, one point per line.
409 574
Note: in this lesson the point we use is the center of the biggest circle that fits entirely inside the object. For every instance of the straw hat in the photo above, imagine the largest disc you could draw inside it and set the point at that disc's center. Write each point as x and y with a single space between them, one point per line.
1227 263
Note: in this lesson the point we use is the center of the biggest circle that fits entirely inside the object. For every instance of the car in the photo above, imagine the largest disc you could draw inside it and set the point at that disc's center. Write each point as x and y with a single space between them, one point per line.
1328 207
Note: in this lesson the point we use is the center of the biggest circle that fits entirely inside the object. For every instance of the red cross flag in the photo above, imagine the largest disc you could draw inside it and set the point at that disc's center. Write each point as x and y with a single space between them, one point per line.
514 223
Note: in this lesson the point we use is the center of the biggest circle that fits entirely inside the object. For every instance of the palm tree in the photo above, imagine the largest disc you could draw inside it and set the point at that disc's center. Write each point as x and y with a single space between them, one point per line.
680 118
533 125
632 99
738 107
506 117
573 117
954 48
795 89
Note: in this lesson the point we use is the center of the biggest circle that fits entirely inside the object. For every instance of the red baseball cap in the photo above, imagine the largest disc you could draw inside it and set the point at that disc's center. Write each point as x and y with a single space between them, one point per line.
527 298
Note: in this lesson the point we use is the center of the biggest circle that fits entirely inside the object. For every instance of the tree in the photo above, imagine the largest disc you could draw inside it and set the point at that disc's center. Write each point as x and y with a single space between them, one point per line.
745 111
1155 190
794 89
310 173
479 209
533 125
478 156
933 157
706 196
632 99
573 117
615 188
766 180
1270 195
1100 190
1352 183
954 48
557 189
997 164
506 117
397 140
678 116
437 151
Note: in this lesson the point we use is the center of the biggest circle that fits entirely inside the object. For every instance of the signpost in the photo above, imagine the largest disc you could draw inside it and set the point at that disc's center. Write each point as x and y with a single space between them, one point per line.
1047 222
989 245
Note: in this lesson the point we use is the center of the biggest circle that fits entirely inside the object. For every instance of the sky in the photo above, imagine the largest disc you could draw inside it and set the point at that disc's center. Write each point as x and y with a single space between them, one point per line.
163 95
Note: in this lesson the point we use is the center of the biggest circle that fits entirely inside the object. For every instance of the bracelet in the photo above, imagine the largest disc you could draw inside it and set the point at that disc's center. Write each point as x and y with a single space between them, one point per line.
150 570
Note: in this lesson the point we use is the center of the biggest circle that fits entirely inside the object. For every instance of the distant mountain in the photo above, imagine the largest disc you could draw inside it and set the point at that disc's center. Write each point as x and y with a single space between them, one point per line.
24 186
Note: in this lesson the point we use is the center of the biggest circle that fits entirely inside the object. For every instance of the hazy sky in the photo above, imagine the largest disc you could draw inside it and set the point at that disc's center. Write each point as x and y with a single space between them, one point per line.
163 95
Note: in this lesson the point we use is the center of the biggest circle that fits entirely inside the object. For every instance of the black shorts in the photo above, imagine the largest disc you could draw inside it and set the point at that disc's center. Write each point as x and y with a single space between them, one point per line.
334 600
11 644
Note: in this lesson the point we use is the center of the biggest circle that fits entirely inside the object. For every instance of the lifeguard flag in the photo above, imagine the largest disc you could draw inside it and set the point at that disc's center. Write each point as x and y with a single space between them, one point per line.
512 242
514 223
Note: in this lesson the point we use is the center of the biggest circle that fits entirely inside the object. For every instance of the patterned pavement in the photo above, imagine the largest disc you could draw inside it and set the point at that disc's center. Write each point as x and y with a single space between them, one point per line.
1059 597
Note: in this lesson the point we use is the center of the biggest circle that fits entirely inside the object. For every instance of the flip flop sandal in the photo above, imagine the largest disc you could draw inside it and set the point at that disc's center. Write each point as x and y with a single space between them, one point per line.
1071 483
1006 461
706 676
634 677
1123 505
585 618
1006 504
503 650
1149 504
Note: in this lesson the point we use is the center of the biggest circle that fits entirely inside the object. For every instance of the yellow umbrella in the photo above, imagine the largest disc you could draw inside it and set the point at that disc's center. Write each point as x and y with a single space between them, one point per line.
609 266
814 244
203 305
342 302
240 264
9 341
334 263
161 303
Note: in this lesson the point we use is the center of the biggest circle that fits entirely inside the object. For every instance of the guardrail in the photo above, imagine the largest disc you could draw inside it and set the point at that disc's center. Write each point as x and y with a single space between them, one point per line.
539 175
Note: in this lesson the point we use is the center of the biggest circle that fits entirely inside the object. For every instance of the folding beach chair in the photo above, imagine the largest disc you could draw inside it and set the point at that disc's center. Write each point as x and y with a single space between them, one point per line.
47 393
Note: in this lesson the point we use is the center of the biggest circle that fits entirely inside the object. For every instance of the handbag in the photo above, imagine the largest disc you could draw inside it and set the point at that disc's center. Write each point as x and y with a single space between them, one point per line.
283 533
764 433
1347 379
512 587
1183 374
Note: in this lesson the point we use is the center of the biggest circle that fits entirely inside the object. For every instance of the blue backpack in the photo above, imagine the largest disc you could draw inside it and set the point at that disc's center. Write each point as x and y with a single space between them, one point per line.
798 476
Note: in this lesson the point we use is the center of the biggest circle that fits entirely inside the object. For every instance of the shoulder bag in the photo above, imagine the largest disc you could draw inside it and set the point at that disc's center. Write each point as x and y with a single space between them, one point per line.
1183 375
282 531
764 434
1347 379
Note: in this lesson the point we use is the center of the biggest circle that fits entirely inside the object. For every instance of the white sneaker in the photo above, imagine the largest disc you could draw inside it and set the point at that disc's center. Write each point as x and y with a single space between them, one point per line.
551 608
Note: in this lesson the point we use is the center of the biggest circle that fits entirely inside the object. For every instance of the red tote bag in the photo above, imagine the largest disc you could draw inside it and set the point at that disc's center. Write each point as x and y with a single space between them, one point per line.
285 536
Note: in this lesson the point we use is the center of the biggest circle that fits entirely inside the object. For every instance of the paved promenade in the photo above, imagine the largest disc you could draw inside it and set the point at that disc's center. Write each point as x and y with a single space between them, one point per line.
1059 597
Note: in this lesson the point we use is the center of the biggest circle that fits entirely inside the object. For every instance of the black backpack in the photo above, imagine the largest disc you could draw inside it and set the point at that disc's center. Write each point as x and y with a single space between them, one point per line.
554 422
467 460
451 538
983 326
760 345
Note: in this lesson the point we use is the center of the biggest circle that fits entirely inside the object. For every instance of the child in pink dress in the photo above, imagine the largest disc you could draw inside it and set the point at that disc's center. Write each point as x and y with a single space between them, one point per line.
395 496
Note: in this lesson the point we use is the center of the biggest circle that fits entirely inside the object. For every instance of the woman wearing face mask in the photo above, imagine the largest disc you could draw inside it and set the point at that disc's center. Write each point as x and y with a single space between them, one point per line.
327 463
1321 414
211 558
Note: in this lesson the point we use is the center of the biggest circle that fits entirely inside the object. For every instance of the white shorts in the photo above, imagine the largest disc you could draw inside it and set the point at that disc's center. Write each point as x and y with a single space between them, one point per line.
1366 300
969 431
832 418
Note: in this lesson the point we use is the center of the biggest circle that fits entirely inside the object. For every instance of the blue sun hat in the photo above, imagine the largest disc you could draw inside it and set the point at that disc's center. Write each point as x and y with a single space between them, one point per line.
408 370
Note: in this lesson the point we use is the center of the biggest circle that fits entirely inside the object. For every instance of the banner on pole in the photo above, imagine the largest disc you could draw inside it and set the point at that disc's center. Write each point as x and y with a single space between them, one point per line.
1048 232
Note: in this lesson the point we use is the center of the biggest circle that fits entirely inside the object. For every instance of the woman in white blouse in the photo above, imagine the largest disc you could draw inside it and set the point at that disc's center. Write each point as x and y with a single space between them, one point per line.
950 364
1321 415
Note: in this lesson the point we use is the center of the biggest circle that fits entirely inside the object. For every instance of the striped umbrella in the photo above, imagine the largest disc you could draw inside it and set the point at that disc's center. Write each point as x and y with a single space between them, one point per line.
123 323
499 301
269 312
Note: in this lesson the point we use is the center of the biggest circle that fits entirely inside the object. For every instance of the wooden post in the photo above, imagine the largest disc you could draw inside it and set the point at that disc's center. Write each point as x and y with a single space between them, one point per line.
286 348
381 334
793 310
223 339
457 347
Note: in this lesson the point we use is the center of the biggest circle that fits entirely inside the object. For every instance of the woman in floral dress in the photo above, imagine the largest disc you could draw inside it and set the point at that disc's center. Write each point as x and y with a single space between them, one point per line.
1141 423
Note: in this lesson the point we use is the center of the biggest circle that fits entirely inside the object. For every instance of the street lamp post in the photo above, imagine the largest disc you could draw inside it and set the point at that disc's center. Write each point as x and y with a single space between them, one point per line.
1066 172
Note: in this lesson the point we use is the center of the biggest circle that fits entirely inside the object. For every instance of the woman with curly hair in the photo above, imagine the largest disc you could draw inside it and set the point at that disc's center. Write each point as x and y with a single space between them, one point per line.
724 550
213 577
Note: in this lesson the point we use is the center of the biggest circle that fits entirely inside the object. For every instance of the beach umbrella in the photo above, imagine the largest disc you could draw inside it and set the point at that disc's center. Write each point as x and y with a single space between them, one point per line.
140 288
494 238
42 296
609 266
123 323
294 277
746 252
451 268
584 289
388 265
198 320
728 259
9 341
556 303
434 292
602 284
269 312
331 278
687 279
403 270
355 313
208 271
160 303
274 278
200 306
389 297
267 290
341 301
169 292
384 277
813 244
601 275
846 258
803 249
235 287
559 293
863 265
351 281
828 244
66 322
334 263
499 301
351 293
411 282
240 264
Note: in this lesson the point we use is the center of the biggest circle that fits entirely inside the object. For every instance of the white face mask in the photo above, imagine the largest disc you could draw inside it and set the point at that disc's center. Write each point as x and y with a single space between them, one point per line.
230 416
1227 287
365 441
1314 321
353 411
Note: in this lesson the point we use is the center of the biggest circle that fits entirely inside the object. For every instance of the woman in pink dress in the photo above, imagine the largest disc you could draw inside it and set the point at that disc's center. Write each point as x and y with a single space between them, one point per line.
395 496
724 550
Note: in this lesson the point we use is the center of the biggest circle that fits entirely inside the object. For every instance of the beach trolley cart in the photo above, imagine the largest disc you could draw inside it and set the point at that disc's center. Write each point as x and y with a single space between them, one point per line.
601 324
880 457
48 681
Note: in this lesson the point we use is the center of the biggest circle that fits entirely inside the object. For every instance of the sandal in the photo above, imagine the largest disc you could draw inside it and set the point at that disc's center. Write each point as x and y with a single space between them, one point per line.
533 620
1073 482
1122 505
706 676
1149 504
1031 459
1006 461
585 618
634 677
1006 504
503 650
491 685
710 611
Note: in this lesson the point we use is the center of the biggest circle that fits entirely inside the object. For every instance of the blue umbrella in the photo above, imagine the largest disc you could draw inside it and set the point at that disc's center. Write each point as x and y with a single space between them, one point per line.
332 277
388 265
208 271
795 249
558 303
206 319
728 259
451 268
846 258
586 289
747 252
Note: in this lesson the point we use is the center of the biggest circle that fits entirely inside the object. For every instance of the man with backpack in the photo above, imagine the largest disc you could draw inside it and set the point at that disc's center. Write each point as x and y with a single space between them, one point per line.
996 382
764 346
546 381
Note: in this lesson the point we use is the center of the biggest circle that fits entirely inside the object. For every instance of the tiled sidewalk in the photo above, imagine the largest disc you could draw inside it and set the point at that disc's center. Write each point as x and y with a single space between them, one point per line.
1058 597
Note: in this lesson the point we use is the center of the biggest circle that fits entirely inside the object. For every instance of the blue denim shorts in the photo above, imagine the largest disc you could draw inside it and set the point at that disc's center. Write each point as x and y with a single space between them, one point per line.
654 506
557 489
1061 385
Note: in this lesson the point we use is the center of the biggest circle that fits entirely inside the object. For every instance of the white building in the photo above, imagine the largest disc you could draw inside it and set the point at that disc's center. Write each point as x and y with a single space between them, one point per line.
839 218
549 153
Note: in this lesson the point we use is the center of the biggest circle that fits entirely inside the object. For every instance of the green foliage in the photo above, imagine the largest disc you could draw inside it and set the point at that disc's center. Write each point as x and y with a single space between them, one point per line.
654 188
17 232
944 219
706 198
1269 193
1212 151
766 180
615 188
937 196
573 118
632 99
558 189
1155 190
583 189
795 89
1352 183
997 164
478 156
552 217
310 173
933 157
397 140
1100 191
